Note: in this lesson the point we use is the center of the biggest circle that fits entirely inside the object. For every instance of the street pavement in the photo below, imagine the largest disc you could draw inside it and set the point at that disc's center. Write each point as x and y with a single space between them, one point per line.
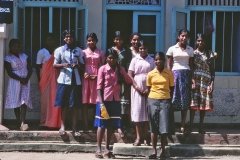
90 156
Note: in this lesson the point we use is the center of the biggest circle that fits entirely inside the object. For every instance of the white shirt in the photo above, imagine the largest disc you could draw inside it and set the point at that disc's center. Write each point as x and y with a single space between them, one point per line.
43 56
62 55
180 58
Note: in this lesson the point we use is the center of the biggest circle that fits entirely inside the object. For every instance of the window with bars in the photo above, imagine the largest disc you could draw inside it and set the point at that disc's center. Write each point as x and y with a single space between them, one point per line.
136 2
214 2
226 37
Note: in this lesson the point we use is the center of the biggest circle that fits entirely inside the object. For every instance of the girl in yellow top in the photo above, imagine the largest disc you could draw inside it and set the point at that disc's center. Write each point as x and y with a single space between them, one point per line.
160 82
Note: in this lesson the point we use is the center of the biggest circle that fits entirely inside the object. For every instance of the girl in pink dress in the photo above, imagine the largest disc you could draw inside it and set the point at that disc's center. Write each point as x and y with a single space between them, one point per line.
94 58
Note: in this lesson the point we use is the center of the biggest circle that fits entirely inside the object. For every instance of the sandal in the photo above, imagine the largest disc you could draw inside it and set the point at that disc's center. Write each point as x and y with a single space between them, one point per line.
120 133
146 143
201 131
109 155
152 156
182 130
24 127
62 132
98 155
137 142
76 133
170 138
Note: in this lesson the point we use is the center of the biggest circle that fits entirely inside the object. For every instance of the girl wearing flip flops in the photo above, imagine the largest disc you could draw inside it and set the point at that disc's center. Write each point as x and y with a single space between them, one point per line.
94 58
69 60
18 94
160 82
109 80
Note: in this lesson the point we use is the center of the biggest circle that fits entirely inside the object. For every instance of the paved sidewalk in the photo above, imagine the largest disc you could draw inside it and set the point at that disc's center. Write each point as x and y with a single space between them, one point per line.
90 156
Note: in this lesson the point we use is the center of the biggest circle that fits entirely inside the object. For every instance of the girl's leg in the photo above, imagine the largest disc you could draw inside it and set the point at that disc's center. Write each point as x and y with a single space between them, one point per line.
108 134
183 116
74 118
192 114
202 115
17 114
85 116
100 133
23 113
145 133
163 144
138 131
63 118
154 143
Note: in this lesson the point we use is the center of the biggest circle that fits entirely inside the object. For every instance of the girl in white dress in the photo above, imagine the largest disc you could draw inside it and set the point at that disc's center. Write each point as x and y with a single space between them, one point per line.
138 70
18 91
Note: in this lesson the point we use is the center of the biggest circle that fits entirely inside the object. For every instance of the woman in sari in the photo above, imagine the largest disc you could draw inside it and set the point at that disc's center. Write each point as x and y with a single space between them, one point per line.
50 115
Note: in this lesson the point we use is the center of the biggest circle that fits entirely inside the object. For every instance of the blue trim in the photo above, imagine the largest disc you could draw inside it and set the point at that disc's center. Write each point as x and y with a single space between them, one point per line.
104 26
134 7
52 4
50 19
227 73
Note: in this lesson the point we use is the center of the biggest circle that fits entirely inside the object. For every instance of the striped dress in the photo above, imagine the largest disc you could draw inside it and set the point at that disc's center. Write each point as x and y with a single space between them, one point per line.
18 94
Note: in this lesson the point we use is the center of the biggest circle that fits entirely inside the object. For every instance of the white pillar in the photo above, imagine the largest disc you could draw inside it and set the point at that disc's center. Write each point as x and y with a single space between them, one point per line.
3 37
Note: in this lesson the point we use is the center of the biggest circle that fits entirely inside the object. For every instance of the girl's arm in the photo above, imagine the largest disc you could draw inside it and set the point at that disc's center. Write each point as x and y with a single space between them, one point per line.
192 71
29 68
212 76
8 68
135 86
38 66
99 94
169 62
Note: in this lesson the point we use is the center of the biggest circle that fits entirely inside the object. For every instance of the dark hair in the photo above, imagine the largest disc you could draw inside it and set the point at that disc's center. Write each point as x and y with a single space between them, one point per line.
92 35
115 54
160 54
71 32
181 31
200 35
12 42
135 34
143 43
117 34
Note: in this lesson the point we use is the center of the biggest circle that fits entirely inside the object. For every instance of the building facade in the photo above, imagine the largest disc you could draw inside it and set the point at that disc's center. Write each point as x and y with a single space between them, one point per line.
157 20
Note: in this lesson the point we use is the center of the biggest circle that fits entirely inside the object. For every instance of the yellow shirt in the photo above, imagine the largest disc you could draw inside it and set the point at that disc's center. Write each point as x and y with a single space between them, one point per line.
160 83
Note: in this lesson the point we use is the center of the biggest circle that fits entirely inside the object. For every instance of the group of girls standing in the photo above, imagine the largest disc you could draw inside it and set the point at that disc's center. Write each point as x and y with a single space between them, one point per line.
71 78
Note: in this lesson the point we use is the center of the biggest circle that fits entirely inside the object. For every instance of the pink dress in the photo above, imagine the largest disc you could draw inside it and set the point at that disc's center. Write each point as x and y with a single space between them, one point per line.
17 93
93 60
140 67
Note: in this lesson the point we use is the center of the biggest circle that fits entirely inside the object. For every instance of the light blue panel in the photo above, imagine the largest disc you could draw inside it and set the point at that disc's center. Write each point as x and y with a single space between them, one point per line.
158 24
85 9
134 7
214 20
52 4
174 12
15 17
227 73
50 19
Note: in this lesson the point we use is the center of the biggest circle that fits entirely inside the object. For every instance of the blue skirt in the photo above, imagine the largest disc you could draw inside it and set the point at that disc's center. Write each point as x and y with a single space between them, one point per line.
182 89
68 95
114 111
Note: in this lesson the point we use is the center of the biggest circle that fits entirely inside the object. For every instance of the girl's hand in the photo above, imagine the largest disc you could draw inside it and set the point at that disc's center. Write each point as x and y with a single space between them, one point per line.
140 91
74 65
193 84
65 65
210 88
86 75
146 92
23 81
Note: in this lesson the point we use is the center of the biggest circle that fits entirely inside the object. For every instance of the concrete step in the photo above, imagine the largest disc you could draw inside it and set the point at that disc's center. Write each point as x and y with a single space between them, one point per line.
178 150
217 137
172 150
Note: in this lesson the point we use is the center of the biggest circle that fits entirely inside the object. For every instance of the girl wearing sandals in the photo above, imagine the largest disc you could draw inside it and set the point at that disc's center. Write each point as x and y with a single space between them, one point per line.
69 60
160 82
204 74
180 62
18 94
138 70
124 59
93 58
109 80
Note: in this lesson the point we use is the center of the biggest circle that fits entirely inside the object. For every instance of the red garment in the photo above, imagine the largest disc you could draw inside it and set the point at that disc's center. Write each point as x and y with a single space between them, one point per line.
50 115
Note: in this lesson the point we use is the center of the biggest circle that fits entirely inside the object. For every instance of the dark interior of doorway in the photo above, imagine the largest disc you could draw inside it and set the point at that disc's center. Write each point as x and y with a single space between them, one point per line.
118 20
